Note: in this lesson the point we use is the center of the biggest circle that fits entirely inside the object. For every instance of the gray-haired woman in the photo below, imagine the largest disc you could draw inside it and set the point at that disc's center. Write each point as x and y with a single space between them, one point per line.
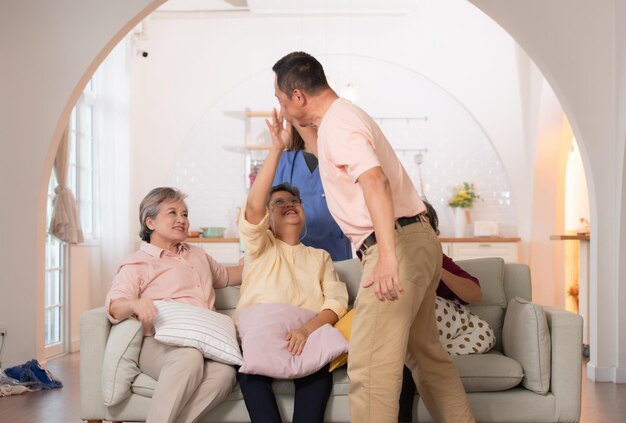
167 268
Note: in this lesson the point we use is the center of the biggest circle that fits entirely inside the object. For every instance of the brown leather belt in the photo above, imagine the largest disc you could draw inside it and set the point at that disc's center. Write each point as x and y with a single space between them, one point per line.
401 221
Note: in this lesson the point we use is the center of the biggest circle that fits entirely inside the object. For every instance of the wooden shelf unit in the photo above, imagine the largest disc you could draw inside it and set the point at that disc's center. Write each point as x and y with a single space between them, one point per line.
258 147
258 114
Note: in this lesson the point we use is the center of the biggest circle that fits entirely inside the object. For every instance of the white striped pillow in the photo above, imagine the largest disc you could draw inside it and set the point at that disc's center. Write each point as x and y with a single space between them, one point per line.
210 332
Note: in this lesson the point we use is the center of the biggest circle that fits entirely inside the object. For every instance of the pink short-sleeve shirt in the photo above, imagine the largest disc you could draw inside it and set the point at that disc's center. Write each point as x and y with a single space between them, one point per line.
188 276
350 143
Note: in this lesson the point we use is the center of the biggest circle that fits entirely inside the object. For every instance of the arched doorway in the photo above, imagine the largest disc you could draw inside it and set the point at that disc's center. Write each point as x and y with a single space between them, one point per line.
599 124
148 172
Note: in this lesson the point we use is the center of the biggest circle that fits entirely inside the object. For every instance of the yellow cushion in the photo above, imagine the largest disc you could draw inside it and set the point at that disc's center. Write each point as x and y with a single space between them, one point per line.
345 327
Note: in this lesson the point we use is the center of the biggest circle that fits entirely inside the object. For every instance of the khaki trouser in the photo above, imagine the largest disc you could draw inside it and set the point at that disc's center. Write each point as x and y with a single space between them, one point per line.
188 385
387 334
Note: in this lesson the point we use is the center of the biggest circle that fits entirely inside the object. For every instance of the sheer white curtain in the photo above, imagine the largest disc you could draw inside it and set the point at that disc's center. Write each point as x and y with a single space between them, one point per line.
116 239
65 223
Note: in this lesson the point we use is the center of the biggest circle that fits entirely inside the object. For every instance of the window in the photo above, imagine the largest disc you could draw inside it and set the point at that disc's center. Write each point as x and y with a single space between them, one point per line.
83 162
53 295
82 180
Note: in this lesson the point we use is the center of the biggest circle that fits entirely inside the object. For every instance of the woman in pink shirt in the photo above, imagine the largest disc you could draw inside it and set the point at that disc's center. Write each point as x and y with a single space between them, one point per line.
165 268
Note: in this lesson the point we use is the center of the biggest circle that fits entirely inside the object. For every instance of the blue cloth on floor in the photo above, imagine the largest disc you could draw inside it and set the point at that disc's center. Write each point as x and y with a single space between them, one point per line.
31 371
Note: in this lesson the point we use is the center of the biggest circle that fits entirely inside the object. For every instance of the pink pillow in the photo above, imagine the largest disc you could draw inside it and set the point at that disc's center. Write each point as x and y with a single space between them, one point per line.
263 328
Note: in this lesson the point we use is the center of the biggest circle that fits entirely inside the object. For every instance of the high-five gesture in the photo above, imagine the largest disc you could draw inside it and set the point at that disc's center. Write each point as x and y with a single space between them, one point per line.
280 130
257 197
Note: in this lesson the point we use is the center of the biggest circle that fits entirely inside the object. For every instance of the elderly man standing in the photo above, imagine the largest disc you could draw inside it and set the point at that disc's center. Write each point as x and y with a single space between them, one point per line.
374 202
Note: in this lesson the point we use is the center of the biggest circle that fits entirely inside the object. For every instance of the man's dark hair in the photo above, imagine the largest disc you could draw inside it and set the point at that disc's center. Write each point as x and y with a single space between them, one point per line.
302 71
432 217
284 187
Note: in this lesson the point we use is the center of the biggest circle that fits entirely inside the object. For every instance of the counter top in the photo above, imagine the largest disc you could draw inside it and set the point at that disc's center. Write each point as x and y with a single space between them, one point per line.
479 239
441 239
570 237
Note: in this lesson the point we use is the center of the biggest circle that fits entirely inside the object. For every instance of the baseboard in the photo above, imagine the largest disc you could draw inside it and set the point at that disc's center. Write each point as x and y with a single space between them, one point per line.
606 374
599 374
620 375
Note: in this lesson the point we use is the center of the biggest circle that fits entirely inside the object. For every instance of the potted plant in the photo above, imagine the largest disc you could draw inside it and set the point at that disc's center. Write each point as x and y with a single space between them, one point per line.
462 201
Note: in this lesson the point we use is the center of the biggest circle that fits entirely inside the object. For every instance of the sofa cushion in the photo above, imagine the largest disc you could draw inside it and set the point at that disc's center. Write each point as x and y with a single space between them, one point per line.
144 385
226 298
210 332
349 272
490 273
263 328
345 327
488 372
526 338
517 281
120 365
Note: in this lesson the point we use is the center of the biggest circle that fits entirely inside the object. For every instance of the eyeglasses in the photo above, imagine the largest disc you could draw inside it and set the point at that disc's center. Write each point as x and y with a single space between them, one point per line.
282 202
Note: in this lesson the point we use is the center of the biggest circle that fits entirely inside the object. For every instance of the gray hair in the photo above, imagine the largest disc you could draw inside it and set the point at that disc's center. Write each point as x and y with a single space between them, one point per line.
150 204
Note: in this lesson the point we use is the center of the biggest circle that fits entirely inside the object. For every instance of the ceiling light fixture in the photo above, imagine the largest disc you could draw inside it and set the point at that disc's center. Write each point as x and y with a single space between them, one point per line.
349 92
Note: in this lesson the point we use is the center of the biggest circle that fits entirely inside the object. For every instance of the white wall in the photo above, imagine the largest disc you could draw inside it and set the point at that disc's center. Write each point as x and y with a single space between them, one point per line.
585 68
470 136
548 178
620 99
45 50
207 160
84 268
576 198
579 46
448 61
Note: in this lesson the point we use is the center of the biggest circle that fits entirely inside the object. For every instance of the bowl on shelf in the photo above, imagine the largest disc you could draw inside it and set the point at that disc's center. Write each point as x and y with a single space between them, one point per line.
212 232
193 234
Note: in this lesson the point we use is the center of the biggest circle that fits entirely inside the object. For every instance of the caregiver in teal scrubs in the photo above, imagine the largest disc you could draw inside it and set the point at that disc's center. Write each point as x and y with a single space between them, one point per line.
298 167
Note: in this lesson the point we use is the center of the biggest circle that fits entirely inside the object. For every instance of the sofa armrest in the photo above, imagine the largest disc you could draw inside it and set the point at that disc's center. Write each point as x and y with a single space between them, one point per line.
94 332
566 330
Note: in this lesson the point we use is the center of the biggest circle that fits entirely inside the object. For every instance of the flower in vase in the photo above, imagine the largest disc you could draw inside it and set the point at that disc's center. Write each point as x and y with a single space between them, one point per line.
464 196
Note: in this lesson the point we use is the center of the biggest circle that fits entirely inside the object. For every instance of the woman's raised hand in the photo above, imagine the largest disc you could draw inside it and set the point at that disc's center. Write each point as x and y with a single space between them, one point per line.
280 130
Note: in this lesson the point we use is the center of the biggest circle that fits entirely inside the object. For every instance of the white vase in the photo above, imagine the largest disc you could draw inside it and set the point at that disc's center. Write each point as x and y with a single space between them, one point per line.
460 221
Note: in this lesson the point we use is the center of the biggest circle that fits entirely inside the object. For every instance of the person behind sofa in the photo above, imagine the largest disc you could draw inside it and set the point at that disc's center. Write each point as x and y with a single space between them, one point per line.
278 268
166 268
460 331
298 166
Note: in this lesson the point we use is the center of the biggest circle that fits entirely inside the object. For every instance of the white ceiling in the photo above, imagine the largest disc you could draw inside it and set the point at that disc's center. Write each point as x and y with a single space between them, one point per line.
203 5
292 6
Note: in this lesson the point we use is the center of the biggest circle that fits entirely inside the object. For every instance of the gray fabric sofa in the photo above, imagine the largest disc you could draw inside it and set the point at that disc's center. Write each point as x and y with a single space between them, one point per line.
494 382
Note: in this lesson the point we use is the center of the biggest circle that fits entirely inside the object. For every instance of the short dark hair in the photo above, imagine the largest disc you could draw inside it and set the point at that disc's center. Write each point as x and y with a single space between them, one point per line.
432 217
300 70
284 187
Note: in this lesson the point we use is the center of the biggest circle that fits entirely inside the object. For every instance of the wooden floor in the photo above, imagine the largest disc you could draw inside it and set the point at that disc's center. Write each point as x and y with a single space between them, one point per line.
601 402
